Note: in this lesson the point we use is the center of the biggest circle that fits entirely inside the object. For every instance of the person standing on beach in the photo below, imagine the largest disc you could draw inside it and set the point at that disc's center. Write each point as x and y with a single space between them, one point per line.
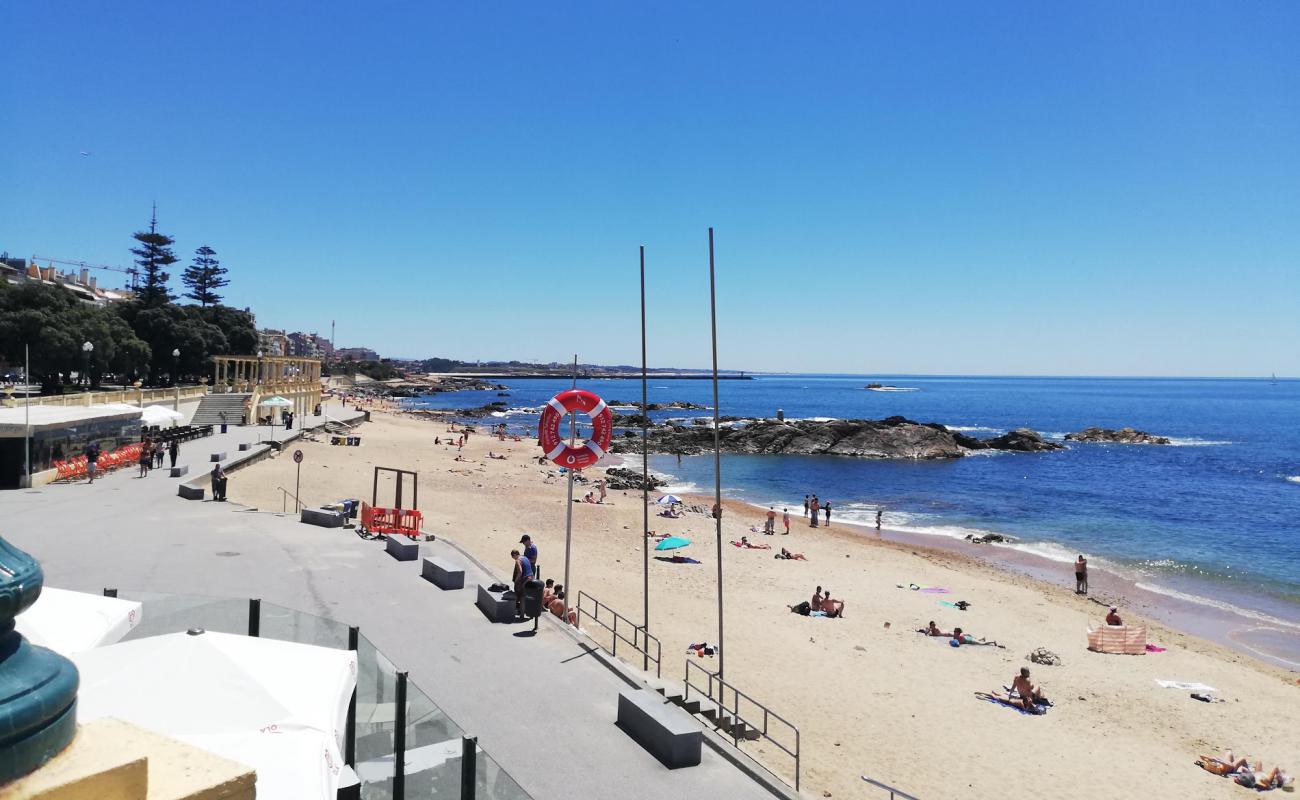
769 527
1081 575
879 512
805 505
814 506
827 509
785 517
600 484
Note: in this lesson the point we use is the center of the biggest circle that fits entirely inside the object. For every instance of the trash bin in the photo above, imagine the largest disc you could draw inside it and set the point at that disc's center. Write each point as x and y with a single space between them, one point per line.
532 599
223 427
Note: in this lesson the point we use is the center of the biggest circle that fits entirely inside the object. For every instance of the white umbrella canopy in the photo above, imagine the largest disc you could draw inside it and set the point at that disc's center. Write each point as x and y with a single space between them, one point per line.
72 622
279 707
158 415
276 401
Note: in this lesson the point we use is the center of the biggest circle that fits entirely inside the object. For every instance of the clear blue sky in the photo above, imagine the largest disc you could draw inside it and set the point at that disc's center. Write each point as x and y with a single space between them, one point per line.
1098 188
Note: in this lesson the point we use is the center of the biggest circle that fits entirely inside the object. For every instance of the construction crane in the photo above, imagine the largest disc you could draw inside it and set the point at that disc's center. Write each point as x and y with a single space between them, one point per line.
132 271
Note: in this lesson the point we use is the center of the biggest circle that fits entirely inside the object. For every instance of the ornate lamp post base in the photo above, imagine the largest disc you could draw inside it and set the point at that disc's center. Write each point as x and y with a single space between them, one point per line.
38 687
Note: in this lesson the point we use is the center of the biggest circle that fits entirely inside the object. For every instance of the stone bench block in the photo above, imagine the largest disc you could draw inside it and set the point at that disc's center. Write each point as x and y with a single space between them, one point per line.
443 574
494 606
245 446
665 730
190 492
402 548
179 470
322 517
218 457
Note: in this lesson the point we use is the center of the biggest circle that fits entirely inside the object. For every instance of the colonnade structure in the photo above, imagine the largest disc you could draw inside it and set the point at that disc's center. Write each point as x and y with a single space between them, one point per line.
297 380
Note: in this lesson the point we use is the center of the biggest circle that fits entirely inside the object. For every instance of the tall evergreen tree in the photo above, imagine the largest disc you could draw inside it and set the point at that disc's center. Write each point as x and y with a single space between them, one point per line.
153 256
204 277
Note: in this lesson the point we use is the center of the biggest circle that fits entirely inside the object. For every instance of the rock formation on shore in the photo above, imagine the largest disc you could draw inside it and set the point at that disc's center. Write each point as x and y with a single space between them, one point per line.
894 437
657 406
617 478
1121 436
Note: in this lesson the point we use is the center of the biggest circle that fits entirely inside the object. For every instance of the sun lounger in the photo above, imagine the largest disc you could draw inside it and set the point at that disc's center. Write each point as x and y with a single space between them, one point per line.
1118 639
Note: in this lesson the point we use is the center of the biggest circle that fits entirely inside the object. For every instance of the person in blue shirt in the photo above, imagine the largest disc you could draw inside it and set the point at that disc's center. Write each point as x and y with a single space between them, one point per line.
530 553
523 574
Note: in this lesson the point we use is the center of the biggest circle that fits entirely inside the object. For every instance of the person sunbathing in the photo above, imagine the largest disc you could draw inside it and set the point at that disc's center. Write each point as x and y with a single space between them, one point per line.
557 607
548 592
1029 693
833 608
1113 617
671 513
933 630
788 556
965 638
816 603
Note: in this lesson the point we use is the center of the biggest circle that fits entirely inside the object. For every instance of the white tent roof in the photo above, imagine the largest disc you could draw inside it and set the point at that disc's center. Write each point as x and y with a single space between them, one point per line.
279 707
73 622
151 415
13 421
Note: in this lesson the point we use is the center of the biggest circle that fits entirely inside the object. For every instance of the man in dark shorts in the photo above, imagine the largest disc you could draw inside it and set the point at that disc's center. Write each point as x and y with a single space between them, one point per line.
92 460
1081 575
523 573
530 553
827 508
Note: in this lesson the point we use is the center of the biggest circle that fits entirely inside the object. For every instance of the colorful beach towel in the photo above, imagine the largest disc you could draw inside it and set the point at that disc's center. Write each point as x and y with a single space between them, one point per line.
999 700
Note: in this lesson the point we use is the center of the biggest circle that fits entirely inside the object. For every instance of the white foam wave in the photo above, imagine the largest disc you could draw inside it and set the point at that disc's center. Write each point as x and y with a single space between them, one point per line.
1293 478
893 389
1192 441
686 487
1218 604
972 429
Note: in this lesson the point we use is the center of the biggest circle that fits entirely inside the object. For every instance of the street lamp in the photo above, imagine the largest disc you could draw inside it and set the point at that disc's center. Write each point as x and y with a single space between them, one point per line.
86 349
176 360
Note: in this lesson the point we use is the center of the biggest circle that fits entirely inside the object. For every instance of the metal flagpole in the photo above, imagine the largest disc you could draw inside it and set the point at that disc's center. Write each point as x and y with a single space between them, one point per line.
717 450
645 483
568 510
27 415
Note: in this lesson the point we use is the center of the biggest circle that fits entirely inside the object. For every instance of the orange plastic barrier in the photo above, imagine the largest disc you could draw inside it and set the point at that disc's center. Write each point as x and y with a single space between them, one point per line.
402 521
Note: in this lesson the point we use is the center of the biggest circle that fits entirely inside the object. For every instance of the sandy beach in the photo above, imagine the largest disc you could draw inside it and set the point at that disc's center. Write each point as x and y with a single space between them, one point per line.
869 694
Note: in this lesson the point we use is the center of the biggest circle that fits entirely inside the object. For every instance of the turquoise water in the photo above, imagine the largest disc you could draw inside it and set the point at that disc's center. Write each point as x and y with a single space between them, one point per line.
1215 515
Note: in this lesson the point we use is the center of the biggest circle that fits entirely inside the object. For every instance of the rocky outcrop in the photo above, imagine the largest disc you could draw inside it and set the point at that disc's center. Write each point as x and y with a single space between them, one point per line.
630 420
1112 436
894 437
623 479
676 404
482 411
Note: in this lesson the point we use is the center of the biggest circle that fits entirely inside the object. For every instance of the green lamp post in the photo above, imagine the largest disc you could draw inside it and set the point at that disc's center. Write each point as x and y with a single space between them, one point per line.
38 687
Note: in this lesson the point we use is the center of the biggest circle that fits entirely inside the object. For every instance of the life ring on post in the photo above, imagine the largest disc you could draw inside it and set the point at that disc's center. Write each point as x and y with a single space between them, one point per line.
552 440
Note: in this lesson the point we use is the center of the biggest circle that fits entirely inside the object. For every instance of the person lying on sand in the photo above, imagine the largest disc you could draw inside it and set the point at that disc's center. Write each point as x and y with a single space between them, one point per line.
672 513
965 638
788 556
1029 693
496 457
748 545
933 630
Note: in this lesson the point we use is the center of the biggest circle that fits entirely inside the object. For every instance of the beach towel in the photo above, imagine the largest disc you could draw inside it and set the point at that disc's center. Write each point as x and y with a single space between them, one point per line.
1118 639
1191 687
1015 706
916 587
1155 648
960 605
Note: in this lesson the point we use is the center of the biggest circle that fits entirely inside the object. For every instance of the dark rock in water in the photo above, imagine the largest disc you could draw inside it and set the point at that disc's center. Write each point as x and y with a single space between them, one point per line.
630 420
482 411
622 479
1121 436
987 538
1023 440
894 437
503 394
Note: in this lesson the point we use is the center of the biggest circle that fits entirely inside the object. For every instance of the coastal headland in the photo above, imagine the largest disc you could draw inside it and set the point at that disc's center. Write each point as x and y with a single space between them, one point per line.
870 695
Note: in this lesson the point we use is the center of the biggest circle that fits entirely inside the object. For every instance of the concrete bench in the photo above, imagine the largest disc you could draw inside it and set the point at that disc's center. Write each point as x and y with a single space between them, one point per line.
179 470
494 605
443 574
402 548
245 446
190 492
322 517
665 730
218 457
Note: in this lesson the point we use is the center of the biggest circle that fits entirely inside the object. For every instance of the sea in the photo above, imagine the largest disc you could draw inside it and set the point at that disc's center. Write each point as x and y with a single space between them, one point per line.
1209 523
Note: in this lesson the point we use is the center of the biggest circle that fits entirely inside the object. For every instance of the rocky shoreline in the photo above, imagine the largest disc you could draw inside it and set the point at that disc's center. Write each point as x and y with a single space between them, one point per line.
1113 436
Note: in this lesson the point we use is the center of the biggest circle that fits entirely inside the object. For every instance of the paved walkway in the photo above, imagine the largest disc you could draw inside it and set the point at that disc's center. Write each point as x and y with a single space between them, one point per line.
542 706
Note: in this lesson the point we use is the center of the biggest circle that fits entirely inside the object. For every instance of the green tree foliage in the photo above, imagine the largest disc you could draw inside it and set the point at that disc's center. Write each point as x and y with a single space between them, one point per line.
54 323
204 277
199 333
440 365
239 326
153 255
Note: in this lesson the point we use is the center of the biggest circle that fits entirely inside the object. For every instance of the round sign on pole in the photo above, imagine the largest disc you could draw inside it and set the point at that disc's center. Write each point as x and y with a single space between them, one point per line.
297 456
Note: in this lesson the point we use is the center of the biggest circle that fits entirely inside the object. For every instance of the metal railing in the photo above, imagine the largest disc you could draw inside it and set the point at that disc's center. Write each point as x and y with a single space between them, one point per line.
894 794
285 494
641 641
735 730
130 396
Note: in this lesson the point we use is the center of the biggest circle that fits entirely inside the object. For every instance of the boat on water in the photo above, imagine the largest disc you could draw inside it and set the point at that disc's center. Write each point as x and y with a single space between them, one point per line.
880 387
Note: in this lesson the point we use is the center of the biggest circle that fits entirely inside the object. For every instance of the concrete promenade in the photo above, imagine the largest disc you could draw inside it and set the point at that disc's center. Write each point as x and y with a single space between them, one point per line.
543 707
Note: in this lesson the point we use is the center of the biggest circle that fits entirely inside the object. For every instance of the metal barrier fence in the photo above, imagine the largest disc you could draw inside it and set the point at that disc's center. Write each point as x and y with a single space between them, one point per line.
894 794
736 732
639 634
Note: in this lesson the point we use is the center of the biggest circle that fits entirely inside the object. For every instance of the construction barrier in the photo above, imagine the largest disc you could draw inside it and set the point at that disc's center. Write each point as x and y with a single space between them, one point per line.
403 521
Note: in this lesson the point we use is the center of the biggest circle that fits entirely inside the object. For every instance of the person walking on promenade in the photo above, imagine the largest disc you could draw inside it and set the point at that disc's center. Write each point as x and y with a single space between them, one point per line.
827 508
805 505
785 517
530 553
92 460
769 525
1081 575
879 512
174 451
815 507
218 483
158 456
146 458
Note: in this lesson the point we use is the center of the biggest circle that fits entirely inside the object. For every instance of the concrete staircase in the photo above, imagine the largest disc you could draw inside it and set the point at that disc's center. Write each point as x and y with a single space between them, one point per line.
698 705
211 406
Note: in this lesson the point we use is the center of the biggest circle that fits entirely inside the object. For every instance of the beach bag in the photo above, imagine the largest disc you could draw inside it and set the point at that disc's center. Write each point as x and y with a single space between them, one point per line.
803 609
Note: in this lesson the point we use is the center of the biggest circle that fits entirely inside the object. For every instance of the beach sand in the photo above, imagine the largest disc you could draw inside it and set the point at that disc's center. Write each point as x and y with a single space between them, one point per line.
869 694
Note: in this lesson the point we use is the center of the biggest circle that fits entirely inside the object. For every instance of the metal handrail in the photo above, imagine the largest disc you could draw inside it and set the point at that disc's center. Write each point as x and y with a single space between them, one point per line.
894 794
284 499
636 630
720 701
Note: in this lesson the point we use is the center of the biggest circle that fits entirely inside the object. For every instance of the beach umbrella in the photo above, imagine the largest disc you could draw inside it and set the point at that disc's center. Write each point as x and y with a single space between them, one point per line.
276 401
279 707
668 500
672 543
157 415
72 622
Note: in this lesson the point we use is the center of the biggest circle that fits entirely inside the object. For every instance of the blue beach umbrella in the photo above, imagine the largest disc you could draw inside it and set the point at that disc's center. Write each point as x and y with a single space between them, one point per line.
668 500
672 543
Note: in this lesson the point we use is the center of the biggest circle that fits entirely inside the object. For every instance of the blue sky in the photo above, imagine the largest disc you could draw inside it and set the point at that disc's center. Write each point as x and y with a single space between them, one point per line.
923 188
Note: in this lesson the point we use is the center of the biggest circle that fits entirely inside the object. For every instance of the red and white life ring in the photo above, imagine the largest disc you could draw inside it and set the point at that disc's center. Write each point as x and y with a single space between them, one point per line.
552 440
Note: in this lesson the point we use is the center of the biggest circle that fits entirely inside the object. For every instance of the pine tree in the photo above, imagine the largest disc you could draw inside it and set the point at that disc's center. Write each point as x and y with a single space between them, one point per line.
204 277
152 257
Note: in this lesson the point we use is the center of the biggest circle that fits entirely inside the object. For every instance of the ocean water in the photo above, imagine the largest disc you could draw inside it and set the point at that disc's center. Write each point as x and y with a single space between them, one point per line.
1215 516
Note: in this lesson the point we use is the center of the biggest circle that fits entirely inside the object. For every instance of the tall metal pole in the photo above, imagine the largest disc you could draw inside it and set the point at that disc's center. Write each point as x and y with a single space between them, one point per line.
568 511
717 452
27 415
645 483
